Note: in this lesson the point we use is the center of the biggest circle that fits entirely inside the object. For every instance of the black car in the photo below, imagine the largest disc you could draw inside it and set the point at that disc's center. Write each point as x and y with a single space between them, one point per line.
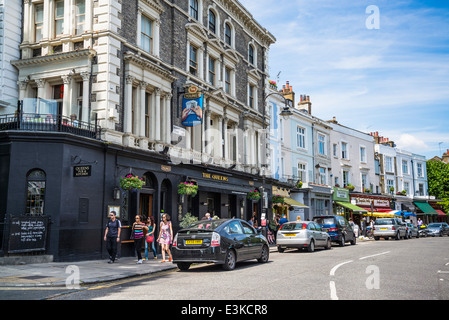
222 241
338 229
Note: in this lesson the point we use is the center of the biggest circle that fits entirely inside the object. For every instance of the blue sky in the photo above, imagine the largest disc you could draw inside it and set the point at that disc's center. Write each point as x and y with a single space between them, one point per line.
394 79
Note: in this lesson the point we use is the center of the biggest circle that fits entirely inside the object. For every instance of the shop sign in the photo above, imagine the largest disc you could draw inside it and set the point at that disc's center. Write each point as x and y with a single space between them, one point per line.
82 171
367 202
192 107
215 177
340 194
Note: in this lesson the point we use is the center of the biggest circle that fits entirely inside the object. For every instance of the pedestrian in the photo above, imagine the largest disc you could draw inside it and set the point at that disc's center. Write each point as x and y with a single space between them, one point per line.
251 221
151 229
283 220
165 236
206 216
137 230
112 235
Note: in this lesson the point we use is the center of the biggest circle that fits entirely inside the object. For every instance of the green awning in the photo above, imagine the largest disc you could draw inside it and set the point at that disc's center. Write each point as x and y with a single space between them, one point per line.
294 203
426 208
351 207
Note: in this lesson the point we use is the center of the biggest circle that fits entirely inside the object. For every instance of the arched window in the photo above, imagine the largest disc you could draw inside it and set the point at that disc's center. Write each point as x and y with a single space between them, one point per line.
212 21
251 54
228 34
35 192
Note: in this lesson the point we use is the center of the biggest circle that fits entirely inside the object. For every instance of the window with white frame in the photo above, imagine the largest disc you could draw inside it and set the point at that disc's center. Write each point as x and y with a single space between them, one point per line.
322 176
251 95
407 187
212 21
80 16
193 60
146 39
212 63
194 9
228 34
363 154
388 164
228 80
38 22
59 17
364 178
404 167
334 150
390 185
421 189
300 137
302 172
321 144
346 180
420 171
251 54
344 150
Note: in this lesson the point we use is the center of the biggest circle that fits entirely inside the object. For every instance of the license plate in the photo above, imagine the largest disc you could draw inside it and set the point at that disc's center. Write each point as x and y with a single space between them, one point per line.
194 241
290 234
383 228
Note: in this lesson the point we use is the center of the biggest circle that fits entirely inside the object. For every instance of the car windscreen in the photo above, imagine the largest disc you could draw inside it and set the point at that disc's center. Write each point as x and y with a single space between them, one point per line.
384 221
206 224
293 226
434 225
324 221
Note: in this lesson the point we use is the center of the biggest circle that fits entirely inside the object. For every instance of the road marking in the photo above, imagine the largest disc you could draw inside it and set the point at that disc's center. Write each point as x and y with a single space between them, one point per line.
374 255
333 291
332 273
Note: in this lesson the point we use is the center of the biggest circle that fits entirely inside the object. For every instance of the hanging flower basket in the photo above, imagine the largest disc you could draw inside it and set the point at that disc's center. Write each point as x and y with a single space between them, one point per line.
253 195
131 182
278 199
188 188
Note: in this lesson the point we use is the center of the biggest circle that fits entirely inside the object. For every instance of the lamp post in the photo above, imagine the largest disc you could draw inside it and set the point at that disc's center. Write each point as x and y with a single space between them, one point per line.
285 113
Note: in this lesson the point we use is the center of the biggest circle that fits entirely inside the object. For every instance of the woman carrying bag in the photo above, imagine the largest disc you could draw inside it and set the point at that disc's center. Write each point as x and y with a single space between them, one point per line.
149 241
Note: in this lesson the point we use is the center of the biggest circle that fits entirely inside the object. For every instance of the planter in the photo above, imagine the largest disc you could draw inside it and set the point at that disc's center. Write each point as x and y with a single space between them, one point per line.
278 199
131 183
188 188
253 195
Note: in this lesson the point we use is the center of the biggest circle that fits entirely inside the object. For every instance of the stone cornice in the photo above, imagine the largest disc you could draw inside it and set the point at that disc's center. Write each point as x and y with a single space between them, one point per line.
88 53
141 61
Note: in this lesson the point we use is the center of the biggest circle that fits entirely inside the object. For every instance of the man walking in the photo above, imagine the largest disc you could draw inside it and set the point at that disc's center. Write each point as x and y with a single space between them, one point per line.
112 235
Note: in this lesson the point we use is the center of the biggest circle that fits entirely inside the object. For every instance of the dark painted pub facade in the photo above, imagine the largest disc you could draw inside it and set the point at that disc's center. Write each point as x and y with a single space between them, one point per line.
73 181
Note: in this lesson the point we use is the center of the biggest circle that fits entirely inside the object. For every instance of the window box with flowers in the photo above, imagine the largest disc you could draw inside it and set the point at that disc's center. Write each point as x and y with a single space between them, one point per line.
350 187
272 84
253 195
299 184
278 199
131 183
188 188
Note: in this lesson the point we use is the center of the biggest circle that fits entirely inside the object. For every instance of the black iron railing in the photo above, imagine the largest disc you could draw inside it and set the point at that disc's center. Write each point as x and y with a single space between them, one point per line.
49 123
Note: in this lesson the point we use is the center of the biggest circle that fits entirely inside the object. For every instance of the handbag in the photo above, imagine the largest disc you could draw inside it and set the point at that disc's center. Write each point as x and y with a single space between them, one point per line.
131 237
150 238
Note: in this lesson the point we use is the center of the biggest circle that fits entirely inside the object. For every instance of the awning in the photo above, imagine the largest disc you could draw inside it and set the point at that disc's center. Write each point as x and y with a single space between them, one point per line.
426 208
380 215
351 207
402 213
441 213
294 203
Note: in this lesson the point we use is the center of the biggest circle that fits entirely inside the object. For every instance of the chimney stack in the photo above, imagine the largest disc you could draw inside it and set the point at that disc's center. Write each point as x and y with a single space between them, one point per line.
446 156
287 92
305 104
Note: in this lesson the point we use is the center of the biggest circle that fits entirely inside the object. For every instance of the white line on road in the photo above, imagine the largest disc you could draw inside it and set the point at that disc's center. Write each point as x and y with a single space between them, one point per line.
332 273
333 291
374 255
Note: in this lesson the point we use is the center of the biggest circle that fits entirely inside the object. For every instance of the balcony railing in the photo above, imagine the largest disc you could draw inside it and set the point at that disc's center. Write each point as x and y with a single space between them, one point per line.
49 123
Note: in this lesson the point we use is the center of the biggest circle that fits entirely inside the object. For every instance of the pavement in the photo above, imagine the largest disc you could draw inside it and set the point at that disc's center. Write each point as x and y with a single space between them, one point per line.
59 274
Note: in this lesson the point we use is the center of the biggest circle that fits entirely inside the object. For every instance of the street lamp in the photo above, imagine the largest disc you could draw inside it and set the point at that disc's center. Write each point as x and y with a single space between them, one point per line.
286 112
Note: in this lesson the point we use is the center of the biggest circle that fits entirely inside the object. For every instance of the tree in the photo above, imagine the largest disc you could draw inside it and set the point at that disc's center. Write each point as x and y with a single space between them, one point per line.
438 180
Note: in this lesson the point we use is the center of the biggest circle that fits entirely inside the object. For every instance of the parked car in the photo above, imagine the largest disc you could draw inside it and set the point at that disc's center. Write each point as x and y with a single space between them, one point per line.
389 228
302 234
412 231
338 228
438 229
222 241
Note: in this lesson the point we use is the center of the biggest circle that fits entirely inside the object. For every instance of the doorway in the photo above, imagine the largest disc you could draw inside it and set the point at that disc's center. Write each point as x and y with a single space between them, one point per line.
146 205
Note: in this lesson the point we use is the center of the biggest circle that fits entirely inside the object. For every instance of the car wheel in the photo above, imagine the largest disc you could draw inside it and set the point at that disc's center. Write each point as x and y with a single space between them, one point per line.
265 255
376 238
280 249
354 240
342 241
311 247
183 266
229 263
328 244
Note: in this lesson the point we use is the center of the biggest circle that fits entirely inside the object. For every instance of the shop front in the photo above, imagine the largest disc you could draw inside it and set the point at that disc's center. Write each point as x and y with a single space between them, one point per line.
425 211
343 206
284 203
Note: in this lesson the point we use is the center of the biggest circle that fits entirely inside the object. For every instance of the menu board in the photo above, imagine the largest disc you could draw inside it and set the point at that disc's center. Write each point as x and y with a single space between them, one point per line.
27 233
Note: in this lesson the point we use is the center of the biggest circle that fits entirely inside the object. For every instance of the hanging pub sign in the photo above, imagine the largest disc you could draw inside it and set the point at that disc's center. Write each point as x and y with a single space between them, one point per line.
192 107
82 171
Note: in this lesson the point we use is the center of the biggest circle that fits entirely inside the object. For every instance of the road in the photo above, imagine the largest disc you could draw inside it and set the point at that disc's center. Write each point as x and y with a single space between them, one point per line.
415 269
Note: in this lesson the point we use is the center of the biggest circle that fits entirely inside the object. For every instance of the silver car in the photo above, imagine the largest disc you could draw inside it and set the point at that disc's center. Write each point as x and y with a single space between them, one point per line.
302 234
412 231
389 228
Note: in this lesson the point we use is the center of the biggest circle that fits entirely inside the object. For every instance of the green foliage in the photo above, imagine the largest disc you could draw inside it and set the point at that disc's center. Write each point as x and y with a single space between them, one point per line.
438 180
187 220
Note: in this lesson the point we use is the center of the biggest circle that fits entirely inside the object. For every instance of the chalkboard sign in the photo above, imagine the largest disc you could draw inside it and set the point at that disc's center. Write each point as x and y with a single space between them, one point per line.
27 233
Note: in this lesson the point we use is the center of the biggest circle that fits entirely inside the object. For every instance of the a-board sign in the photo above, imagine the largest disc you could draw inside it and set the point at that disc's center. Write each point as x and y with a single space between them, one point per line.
27 233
